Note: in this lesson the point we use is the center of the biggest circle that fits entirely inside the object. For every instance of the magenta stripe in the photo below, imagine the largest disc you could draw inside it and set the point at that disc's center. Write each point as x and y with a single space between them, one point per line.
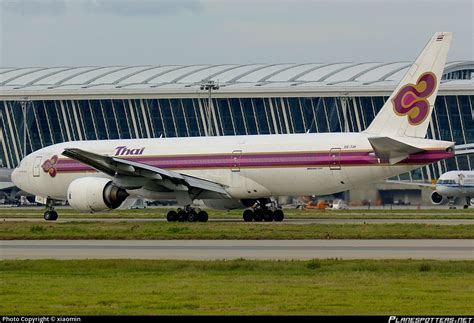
262 160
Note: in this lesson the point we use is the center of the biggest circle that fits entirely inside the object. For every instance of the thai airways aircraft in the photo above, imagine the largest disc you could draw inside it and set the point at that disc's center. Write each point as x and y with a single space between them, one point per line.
234 171
456 183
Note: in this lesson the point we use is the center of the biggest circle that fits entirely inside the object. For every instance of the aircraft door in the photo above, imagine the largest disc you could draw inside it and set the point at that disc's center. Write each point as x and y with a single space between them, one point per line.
236 156
335 159
37 167
339 176
236 175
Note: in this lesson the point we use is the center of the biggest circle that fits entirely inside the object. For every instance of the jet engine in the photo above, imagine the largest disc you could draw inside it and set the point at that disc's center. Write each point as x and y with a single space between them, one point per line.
95 194
437 199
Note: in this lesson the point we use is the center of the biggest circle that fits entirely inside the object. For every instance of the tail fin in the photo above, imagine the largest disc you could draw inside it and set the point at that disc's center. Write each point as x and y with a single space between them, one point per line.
407 112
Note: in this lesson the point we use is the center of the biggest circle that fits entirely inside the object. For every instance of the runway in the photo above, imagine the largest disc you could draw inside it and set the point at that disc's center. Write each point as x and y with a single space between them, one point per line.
233 249
286 221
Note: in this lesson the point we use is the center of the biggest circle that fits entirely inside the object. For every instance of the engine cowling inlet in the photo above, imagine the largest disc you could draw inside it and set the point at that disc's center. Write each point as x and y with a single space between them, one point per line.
436 198
95 194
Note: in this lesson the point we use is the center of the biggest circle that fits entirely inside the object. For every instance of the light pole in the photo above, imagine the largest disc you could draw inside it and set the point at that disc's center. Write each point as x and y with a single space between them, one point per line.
209 85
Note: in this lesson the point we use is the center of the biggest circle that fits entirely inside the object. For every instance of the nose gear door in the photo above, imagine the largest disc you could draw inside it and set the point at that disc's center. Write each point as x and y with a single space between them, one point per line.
37 167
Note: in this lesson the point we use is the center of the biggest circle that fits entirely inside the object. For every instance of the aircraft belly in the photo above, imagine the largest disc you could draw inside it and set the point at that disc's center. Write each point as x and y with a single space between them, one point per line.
298 181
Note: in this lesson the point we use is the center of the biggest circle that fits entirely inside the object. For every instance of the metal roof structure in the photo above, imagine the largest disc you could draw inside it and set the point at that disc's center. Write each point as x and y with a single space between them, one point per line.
187 78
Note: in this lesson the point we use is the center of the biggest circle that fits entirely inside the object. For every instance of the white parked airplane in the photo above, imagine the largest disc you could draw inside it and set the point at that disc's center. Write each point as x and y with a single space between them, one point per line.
235 171
456 183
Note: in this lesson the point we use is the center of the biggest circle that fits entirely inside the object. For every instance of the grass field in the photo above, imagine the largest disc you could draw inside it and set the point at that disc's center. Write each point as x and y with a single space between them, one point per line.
213 230
439 213
81 287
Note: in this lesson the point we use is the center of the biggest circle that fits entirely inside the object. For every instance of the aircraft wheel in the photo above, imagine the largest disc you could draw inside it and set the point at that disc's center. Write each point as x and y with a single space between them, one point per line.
202 216
50 215
192 216
268 216
278 215
182 216
258 217
172 216
248 215
54 215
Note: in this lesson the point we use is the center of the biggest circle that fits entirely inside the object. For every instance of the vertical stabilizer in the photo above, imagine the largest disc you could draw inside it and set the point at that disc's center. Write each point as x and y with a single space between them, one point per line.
408 111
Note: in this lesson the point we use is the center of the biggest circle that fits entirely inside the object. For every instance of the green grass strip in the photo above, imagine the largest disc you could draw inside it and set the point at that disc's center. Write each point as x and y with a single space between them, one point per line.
323 287
210 230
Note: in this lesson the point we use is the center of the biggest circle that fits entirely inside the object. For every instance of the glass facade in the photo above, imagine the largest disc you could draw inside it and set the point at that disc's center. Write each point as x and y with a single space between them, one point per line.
54 121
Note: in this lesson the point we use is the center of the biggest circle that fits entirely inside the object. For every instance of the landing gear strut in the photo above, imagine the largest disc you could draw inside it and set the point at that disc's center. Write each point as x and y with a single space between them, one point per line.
468 202
50 214
187 214
451 203
261 212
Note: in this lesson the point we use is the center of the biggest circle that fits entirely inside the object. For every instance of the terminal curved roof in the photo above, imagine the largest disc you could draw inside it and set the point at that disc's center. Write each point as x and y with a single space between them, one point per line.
188 77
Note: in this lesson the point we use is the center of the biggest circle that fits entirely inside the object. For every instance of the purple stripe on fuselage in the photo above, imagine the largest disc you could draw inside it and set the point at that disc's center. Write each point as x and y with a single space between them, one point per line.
262 160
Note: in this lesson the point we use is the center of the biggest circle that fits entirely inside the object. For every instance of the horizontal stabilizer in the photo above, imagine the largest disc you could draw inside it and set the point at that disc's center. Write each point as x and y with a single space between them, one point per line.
392 150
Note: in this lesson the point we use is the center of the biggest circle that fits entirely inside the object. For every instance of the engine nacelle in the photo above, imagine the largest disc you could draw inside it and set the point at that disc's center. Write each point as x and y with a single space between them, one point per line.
437 199
95 194
224 204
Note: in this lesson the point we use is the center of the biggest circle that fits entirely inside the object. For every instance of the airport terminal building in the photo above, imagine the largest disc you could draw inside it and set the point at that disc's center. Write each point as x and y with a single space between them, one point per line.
114 102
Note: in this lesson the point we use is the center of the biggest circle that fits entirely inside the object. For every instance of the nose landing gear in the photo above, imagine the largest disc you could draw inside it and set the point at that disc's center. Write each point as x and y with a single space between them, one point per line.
50 214
468 202
188 214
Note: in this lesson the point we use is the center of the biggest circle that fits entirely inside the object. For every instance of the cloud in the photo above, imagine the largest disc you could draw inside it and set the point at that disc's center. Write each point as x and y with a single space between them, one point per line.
142 7
33 7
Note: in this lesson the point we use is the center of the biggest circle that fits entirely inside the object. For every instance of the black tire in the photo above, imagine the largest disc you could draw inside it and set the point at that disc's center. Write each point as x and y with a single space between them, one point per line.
278 215
258 216
192 216
47 216
54 215
268 216
202 216
248 215
172 216
182 216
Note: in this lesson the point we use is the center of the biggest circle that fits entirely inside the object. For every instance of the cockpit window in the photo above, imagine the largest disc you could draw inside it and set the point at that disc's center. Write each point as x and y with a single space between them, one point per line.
446 181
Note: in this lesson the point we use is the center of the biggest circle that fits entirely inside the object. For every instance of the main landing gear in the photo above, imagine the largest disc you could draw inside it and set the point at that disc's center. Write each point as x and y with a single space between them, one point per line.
261 212
50 214
188 214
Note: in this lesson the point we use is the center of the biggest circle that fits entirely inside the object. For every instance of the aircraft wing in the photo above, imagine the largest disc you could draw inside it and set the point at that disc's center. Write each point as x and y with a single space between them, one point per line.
412 183
6 185
133 175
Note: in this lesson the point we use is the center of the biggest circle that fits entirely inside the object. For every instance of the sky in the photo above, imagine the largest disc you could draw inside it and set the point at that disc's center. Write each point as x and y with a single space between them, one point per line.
145 32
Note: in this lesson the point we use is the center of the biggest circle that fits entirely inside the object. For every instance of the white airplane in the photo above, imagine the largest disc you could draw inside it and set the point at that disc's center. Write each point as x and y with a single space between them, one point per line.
456 183
235 171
